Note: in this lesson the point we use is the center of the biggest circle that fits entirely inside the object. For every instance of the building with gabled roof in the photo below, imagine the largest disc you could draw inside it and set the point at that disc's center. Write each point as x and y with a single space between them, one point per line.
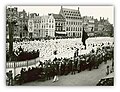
59 24
41 26
73 26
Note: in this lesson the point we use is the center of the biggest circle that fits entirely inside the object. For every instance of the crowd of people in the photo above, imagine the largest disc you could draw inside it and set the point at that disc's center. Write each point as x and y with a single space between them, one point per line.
63 66
64 47
62 57
21 55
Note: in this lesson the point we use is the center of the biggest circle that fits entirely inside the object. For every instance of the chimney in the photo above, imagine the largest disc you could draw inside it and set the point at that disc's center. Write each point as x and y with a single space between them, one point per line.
100 18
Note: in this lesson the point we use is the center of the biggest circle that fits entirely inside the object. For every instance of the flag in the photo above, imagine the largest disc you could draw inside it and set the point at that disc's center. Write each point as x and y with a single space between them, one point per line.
84 37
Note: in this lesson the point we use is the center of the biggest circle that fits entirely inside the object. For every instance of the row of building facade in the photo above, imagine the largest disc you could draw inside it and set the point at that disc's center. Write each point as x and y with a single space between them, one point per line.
68 23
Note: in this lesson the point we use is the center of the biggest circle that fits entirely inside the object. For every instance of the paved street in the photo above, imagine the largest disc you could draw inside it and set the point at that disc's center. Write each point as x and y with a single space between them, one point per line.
84 78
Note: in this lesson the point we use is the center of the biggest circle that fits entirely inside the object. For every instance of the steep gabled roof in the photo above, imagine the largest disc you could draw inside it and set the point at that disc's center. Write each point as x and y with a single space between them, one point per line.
71 13
58 17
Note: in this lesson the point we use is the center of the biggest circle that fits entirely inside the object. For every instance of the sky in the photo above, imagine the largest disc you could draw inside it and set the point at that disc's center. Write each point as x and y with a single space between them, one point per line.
96 11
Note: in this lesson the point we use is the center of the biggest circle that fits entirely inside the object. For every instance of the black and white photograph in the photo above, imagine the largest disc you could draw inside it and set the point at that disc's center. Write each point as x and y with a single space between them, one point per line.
59 45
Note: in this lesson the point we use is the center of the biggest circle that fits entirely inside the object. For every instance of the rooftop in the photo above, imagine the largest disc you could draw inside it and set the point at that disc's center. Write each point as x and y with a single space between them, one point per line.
71 13
58 17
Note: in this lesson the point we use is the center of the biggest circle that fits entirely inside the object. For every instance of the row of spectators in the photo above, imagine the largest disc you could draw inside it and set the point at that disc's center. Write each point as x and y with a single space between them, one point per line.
63 66
22 55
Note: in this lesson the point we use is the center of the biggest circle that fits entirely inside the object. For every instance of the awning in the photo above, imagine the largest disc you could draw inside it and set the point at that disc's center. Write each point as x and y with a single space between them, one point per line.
60 32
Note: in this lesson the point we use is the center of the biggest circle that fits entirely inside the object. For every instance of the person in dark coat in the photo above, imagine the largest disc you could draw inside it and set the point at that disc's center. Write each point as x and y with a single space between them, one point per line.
48 69
107 70
10 78
22 76
73 67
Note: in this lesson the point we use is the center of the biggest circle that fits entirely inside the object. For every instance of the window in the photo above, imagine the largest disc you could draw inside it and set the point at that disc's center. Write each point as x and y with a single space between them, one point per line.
69 29
56 24
66 28
69 34
80 28
59 24
76 28
49 26
52 21
52 26
37 25
67 23
74 23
